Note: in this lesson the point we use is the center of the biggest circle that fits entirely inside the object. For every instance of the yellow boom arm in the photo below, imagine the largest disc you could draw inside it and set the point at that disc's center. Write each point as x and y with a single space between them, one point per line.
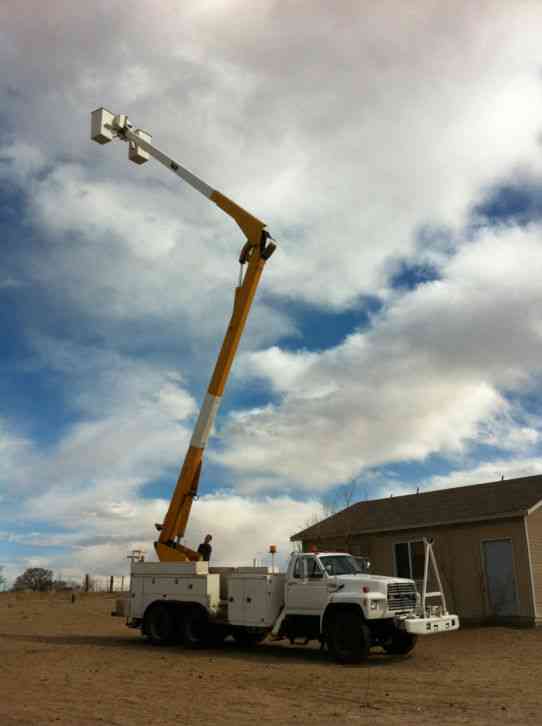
255 252
177 515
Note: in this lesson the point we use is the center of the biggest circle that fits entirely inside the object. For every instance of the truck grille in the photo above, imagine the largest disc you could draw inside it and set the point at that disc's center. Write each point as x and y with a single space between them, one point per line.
401 596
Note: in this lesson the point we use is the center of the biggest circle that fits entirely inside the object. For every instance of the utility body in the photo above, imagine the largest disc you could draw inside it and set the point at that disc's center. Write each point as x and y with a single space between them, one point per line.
321 596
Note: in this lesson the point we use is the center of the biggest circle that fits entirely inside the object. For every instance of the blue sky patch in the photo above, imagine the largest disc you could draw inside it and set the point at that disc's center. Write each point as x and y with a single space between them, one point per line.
515 202
320 328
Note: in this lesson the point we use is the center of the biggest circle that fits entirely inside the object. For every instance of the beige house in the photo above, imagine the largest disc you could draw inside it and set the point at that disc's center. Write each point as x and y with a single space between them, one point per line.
488 544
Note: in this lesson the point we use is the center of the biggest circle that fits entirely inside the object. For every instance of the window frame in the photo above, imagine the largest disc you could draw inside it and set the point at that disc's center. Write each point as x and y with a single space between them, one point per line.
301 562
409 543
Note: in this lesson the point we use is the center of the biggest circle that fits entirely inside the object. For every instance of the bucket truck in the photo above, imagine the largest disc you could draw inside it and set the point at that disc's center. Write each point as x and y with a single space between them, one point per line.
325 596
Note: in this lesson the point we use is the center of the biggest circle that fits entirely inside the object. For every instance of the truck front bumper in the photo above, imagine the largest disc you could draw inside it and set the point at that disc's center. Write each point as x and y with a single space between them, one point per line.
428 626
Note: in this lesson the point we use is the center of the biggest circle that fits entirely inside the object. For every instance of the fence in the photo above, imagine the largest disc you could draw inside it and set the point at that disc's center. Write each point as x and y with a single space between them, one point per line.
109 583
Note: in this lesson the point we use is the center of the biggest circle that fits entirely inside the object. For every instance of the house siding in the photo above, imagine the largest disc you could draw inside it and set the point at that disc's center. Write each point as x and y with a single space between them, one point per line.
534 528
458 549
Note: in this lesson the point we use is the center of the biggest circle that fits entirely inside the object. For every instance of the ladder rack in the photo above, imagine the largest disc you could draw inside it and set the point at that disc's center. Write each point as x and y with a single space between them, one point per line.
426 595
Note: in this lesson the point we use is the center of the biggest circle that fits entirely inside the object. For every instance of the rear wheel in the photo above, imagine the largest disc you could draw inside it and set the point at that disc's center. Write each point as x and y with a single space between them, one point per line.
194 628
215 635
348 637
159 625
400 643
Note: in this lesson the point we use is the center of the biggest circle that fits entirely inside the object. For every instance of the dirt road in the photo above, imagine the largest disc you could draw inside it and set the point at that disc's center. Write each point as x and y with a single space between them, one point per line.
74 664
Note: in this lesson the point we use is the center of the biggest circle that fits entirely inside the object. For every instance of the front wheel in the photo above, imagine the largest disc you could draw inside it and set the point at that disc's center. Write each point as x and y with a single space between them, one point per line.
348 637
400 643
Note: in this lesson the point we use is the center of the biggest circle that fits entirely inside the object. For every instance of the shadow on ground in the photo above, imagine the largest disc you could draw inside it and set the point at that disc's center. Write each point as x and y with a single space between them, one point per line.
265 653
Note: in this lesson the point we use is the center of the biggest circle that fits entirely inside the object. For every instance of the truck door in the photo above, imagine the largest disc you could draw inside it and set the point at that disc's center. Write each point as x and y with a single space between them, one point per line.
307 591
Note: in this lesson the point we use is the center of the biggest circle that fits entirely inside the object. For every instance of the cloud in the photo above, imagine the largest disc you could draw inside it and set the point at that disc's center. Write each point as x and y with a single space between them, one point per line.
431 376
242 529
14 448
486 472
130 421
350 130
77 504
393 133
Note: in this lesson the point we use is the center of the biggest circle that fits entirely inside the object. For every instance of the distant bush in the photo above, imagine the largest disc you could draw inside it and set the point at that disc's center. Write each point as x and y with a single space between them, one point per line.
37 579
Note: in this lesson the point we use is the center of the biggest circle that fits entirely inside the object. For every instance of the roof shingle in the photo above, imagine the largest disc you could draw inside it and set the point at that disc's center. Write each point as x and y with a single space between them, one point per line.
494 500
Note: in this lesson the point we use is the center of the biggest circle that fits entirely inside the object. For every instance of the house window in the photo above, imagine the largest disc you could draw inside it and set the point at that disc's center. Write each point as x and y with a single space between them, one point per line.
409 560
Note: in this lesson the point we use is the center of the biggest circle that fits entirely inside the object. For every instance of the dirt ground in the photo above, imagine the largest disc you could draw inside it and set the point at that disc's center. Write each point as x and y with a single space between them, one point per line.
74 664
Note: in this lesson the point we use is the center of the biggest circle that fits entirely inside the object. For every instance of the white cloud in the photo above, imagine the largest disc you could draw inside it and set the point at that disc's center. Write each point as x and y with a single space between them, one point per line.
242 529
14 448
83 494
132 422
430 376
346 128
486 472
396 120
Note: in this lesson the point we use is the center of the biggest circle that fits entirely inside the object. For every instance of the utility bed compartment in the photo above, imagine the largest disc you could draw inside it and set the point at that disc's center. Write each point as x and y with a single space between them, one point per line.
183 581
255 598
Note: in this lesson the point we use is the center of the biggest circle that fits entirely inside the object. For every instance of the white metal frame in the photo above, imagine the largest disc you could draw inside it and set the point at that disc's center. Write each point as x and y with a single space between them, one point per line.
531 573
431 560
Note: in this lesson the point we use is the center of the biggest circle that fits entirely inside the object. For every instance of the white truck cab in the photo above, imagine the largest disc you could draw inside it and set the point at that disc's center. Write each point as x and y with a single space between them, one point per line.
329 597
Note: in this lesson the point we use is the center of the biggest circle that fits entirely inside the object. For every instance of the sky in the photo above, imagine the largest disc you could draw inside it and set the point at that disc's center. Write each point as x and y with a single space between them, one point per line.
394 151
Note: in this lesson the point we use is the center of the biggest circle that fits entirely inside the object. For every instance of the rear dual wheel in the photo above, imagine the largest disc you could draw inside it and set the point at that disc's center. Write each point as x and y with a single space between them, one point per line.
166 624
159 625
197 632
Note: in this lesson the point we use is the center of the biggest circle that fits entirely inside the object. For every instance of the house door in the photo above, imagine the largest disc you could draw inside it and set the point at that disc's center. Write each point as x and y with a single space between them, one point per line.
500 577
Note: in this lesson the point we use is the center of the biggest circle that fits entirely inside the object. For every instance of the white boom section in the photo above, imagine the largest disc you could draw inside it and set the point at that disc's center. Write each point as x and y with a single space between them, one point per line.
105 126
205 421
134 137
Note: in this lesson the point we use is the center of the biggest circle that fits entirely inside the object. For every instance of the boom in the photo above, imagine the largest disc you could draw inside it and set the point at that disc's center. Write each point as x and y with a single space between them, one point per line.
254 254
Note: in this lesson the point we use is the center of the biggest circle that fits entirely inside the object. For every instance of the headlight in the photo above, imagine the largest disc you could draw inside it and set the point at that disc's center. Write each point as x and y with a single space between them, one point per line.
377 604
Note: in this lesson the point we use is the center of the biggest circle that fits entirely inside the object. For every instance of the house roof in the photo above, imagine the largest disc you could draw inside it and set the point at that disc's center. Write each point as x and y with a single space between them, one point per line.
478 502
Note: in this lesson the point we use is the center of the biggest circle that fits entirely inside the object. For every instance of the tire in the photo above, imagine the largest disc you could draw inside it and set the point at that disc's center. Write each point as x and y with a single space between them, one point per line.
194 628
400 643
159 625
248 638
348 637
215 635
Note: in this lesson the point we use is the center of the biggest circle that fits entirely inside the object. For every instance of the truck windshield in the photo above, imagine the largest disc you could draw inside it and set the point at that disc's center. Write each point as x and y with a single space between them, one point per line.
340 565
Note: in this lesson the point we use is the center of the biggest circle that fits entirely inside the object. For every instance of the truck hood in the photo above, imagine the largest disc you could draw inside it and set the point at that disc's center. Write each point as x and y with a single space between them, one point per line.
375 583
